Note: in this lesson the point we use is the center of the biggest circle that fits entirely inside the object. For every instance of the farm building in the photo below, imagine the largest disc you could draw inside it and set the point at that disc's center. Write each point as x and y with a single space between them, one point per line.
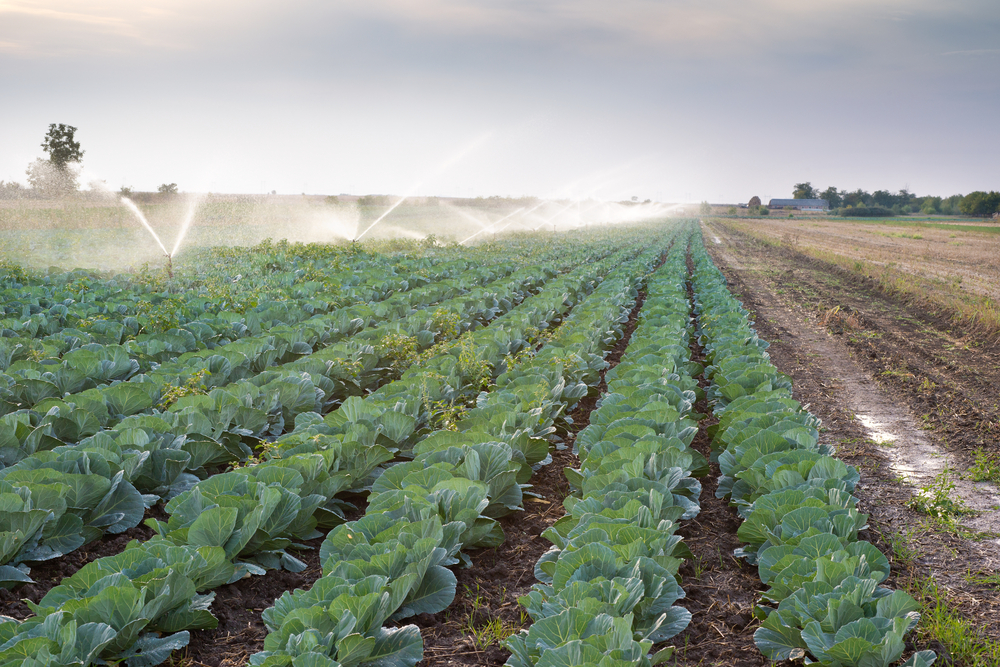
799 204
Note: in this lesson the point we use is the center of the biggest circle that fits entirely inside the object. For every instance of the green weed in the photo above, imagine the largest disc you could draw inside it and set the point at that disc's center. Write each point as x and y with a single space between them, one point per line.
939 621
939 501
902 547
986 468
486 628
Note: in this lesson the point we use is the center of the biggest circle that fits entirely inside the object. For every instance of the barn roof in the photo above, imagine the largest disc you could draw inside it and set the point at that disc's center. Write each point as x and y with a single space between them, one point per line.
813 203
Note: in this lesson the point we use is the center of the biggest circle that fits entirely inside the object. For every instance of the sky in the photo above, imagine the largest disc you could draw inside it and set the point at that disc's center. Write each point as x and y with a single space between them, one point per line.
672 100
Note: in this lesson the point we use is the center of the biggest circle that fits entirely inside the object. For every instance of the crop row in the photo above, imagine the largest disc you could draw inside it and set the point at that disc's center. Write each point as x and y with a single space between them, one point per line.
76 364
72 494
393 563
255 511
823 603
609 583
51 315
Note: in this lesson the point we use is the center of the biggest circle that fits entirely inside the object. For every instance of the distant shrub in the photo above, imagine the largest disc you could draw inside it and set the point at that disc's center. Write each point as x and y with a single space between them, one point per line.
765 210
865 212
374 200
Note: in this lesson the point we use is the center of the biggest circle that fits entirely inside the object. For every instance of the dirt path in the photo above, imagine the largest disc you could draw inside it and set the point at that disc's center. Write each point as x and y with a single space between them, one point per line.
841 375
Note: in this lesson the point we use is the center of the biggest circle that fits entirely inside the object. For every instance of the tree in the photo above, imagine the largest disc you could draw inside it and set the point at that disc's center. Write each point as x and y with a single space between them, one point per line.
168 189
12 190
857 198
705 208
61 146
832 197
884 198
804 191
980 203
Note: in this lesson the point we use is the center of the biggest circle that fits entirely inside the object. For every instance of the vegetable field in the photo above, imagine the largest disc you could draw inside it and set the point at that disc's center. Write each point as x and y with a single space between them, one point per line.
517 452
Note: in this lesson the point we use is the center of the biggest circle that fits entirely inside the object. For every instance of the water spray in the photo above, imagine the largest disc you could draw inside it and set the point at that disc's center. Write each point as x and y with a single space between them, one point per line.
185 226
145 223
509 215
441 168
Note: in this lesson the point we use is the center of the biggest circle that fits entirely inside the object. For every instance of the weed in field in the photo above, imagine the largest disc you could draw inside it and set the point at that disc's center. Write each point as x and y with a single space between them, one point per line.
983 579
902 547
699 567
445 416
939 621
398 349
986 468
193 386
485 628
939 501
445 324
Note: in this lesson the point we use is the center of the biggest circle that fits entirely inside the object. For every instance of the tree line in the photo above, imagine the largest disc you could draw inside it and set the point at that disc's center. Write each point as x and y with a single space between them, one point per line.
884 202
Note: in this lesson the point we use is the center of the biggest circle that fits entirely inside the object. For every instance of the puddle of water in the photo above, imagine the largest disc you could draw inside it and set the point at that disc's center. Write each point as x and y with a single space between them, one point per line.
877 430
919 463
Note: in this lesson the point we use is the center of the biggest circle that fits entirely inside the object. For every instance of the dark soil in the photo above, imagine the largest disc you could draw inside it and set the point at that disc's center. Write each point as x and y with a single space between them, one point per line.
238 607
912 343
48 574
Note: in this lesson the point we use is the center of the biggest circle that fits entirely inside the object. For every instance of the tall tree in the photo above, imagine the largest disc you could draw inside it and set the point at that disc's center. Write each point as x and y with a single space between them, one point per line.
804 191
832 197
61 146
980 203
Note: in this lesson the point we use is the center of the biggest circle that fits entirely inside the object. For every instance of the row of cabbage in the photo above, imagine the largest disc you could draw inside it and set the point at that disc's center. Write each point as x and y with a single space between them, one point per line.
609 584
234 524
393 563
53 314
823 603
72 360
62 494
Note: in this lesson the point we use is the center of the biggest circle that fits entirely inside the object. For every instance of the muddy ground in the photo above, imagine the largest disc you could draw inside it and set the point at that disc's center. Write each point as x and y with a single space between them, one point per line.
901 393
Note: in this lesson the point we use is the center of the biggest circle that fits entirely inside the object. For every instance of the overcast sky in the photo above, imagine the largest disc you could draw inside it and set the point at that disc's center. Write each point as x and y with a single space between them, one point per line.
674 100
